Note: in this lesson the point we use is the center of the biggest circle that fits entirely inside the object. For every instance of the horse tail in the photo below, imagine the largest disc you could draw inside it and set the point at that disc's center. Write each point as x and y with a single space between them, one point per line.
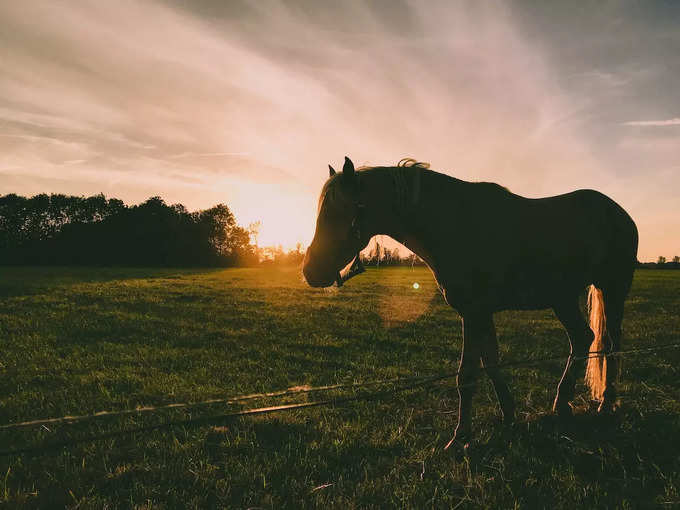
596 370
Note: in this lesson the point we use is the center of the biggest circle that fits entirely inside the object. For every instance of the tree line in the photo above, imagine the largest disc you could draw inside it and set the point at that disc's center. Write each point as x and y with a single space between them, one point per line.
661 263
380 255
71 230
59 229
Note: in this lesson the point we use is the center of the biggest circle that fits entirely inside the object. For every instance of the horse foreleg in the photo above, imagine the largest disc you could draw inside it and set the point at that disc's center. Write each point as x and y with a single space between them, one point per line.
466 379
489 352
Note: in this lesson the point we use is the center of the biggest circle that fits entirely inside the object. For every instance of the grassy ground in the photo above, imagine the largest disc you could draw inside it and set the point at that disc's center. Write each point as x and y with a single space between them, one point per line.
75 341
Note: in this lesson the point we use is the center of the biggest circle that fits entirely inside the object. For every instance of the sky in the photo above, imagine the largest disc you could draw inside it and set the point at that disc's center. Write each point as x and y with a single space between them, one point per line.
246 102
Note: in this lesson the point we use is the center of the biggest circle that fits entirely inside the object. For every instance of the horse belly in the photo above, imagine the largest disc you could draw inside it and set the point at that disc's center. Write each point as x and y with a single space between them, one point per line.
538 288
510 288
524 298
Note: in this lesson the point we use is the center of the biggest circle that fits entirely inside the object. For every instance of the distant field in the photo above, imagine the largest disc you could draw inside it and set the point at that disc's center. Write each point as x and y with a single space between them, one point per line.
78 341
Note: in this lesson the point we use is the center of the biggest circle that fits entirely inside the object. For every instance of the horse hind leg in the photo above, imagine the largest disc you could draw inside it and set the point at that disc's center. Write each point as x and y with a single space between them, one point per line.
580 338
614 314
615 281
612 296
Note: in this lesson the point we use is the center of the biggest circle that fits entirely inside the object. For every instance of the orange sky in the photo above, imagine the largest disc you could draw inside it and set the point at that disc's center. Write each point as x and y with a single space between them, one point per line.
247 102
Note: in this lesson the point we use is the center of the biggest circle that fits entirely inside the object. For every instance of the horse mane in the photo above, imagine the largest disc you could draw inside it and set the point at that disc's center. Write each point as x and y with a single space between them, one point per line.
412 163
403 163
329 185
326 192
403 184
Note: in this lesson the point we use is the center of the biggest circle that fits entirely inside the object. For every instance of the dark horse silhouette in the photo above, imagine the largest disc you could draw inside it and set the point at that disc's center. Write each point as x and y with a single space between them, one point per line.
491 250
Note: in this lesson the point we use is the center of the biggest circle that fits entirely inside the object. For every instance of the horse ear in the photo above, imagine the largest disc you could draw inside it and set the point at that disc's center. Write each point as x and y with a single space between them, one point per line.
348 167
331 170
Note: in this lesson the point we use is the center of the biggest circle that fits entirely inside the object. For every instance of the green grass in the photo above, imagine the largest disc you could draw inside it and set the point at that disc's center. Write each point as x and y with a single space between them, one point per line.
77 341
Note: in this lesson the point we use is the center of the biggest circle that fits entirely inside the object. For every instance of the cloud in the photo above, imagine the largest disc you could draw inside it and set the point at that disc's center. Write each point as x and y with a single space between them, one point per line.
669 122
207 154
290 87
153 96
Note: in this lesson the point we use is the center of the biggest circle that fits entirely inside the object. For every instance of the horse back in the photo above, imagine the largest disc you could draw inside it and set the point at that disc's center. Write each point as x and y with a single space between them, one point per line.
516 252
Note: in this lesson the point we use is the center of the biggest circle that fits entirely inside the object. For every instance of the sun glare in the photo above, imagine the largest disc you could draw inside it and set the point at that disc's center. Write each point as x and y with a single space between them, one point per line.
285 219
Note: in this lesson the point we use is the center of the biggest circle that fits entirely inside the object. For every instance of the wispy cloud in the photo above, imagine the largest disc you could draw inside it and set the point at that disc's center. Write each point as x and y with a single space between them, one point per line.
292 89
669 122
149 96
208 154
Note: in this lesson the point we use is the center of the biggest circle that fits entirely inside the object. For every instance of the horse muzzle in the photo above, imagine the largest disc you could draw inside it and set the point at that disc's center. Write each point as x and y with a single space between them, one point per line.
316 278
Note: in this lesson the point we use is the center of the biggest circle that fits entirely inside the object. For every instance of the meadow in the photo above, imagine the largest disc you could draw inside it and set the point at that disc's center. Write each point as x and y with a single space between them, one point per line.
82 340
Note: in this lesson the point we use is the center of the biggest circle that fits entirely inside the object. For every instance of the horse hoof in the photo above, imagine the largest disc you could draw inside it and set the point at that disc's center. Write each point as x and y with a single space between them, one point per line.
459 448
606 408
460 439
563 411
508 420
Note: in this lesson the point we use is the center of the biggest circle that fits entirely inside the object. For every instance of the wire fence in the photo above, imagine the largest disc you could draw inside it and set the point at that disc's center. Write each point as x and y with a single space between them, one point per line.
400 385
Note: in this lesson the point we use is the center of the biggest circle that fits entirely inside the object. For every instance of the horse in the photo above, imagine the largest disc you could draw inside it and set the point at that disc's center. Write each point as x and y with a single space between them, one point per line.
491 250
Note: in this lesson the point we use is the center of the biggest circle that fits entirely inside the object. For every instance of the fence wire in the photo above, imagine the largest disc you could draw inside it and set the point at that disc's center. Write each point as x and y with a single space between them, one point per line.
402 384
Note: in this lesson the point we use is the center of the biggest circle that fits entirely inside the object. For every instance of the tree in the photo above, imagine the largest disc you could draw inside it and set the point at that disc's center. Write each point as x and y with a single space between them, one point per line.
387 257
254 231
396 257
676 259
377 254
661 260
218 221
60 229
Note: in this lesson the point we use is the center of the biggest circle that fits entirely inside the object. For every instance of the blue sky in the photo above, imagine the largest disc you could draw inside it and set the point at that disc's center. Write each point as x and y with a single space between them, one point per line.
247 102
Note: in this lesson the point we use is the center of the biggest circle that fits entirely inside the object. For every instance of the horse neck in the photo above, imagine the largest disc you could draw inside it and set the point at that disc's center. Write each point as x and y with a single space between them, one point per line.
393 199
402 203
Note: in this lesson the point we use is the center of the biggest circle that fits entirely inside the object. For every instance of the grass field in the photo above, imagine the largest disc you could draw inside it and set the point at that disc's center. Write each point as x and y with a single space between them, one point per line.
78 341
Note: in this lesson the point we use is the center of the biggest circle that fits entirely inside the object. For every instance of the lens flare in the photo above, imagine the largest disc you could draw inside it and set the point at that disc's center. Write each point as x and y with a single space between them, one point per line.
416 285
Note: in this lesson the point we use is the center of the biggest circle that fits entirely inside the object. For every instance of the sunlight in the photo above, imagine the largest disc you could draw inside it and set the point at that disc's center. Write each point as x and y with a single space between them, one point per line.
281 226
286 213
398 309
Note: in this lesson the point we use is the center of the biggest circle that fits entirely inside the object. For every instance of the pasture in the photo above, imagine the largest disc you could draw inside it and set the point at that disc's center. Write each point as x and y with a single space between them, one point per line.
82 340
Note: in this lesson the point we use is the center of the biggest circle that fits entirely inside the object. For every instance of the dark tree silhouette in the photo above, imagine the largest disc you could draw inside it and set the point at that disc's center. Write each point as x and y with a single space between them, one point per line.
60 229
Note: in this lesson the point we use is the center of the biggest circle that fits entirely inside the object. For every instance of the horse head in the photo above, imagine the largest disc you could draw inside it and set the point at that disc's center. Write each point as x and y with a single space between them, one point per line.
339 236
